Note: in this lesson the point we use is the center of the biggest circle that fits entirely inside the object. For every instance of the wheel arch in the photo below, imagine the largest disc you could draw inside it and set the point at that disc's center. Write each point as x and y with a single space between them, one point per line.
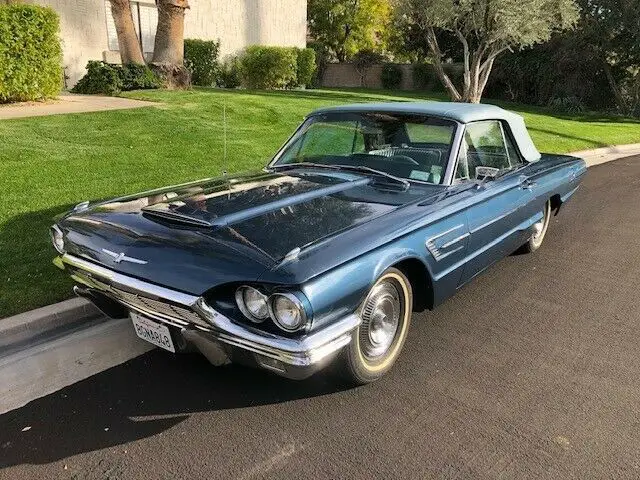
421 282
556 203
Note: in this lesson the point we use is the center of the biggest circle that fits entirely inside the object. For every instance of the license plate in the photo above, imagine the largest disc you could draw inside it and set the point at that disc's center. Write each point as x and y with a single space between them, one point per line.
152 332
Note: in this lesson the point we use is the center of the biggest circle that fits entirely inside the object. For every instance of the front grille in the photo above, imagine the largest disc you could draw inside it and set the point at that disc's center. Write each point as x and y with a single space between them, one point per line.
157 308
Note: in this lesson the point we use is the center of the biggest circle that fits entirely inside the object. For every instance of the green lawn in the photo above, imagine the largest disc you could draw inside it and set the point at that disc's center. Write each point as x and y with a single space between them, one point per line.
48 164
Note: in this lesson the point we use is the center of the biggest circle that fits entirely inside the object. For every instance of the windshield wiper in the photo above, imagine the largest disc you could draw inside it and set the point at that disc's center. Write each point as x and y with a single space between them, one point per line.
353 168
362 168
283 166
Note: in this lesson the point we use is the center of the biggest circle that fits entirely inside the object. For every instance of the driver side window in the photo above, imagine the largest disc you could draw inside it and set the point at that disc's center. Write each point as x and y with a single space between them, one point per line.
485 144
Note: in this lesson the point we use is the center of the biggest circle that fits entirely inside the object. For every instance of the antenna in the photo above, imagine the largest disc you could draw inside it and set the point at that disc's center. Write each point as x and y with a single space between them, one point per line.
224 127
224 156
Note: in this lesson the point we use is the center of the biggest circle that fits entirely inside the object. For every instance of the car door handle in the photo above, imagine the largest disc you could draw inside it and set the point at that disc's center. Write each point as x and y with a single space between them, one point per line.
527 184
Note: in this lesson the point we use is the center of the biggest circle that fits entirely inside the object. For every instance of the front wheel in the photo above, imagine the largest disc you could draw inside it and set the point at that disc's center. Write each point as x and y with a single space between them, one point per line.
539 230
376 344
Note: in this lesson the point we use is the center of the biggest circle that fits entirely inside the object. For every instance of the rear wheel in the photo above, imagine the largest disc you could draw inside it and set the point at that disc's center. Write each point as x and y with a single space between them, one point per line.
539 230
376 344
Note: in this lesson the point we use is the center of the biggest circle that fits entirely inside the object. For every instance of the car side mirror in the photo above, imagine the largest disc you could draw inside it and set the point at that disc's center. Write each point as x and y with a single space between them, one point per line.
486 173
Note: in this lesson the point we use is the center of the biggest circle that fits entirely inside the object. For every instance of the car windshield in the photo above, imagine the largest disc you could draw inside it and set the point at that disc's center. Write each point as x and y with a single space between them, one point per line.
410 146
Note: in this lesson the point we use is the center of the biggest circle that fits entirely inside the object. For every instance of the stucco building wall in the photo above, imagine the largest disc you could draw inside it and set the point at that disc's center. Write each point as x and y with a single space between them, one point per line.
236 23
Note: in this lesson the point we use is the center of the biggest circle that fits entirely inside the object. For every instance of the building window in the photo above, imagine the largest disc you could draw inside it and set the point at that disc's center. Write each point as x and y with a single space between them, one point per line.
145 20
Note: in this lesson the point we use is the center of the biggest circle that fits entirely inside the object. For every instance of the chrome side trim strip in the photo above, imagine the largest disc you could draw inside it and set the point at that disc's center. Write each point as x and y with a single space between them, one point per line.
493 220
455 240
442 234
468 258
437 251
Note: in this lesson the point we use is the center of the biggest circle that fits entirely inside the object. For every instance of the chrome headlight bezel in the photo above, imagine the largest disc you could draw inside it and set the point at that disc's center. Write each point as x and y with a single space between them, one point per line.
242 303
298 305
57 239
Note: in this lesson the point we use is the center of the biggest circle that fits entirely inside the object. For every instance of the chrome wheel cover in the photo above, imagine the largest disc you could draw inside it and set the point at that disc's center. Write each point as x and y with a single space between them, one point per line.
540 228
381 316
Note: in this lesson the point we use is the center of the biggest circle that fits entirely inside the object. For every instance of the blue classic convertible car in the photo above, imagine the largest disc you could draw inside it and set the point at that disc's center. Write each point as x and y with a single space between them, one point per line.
366 214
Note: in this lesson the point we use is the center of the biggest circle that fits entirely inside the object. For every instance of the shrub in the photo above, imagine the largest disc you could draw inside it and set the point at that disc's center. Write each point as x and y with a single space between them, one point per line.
570 104
391 76
201 58
110 79
363 61
30 53
230 73
100 78
269 67
138 77
306 66
323 57
425 77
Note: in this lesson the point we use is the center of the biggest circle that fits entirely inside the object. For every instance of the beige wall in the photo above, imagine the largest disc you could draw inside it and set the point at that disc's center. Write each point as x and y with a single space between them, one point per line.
236 23
239 23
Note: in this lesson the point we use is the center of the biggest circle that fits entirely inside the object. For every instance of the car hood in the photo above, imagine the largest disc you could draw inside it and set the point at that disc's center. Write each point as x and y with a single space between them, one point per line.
196 236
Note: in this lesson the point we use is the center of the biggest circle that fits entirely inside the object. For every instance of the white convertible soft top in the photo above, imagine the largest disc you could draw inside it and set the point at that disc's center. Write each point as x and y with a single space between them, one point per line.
460 112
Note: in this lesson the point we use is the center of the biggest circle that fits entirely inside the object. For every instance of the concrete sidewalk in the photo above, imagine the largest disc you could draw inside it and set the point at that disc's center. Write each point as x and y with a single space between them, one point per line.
70 103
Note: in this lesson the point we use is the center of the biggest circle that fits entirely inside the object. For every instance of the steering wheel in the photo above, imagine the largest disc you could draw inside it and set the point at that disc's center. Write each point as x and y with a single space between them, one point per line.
403 159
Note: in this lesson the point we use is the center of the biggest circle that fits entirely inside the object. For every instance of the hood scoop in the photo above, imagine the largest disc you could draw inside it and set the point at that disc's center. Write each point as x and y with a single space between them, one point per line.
176 213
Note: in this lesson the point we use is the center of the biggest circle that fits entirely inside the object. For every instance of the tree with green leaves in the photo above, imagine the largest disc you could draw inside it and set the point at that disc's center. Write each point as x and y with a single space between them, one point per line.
344 27
611 28
485 29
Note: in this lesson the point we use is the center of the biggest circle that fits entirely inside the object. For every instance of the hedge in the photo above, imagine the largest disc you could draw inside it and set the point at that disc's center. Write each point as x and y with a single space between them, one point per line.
391 76
201 58
30 53
306 66
110 79
230 73
264 67
269 67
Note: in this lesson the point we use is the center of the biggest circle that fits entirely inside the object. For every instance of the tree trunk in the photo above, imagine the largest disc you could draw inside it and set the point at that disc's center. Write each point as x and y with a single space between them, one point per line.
436 53
615 89
128 43
168 54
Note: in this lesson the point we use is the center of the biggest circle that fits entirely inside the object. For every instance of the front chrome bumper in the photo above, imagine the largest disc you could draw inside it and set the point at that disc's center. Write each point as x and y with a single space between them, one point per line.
212 333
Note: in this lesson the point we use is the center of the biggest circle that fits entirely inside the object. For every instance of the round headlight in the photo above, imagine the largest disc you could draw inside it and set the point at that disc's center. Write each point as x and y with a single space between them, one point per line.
252 303
287 311
57 238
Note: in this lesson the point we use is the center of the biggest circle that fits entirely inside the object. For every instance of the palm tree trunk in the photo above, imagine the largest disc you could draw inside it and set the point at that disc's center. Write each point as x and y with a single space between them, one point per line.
168 53
128 43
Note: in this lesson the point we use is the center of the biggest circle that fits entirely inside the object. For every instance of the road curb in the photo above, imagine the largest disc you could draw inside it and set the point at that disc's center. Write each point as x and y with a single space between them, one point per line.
598 156
60 361
22 328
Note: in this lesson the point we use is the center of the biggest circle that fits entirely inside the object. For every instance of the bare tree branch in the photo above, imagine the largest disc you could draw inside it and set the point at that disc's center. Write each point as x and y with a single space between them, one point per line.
432 41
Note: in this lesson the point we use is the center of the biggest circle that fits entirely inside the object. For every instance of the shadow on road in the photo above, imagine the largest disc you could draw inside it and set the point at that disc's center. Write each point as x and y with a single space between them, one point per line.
141 398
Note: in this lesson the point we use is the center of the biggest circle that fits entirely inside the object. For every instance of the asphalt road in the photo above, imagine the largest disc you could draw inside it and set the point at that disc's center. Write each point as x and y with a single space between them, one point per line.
529 372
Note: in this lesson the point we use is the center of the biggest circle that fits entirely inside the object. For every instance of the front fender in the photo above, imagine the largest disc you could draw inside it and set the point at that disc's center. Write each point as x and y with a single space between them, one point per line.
340 291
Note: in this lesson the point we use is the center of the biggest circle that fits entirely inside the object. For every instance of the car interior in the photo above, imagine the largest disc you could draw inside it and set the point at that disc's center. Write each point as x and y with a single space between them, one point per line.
410 147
